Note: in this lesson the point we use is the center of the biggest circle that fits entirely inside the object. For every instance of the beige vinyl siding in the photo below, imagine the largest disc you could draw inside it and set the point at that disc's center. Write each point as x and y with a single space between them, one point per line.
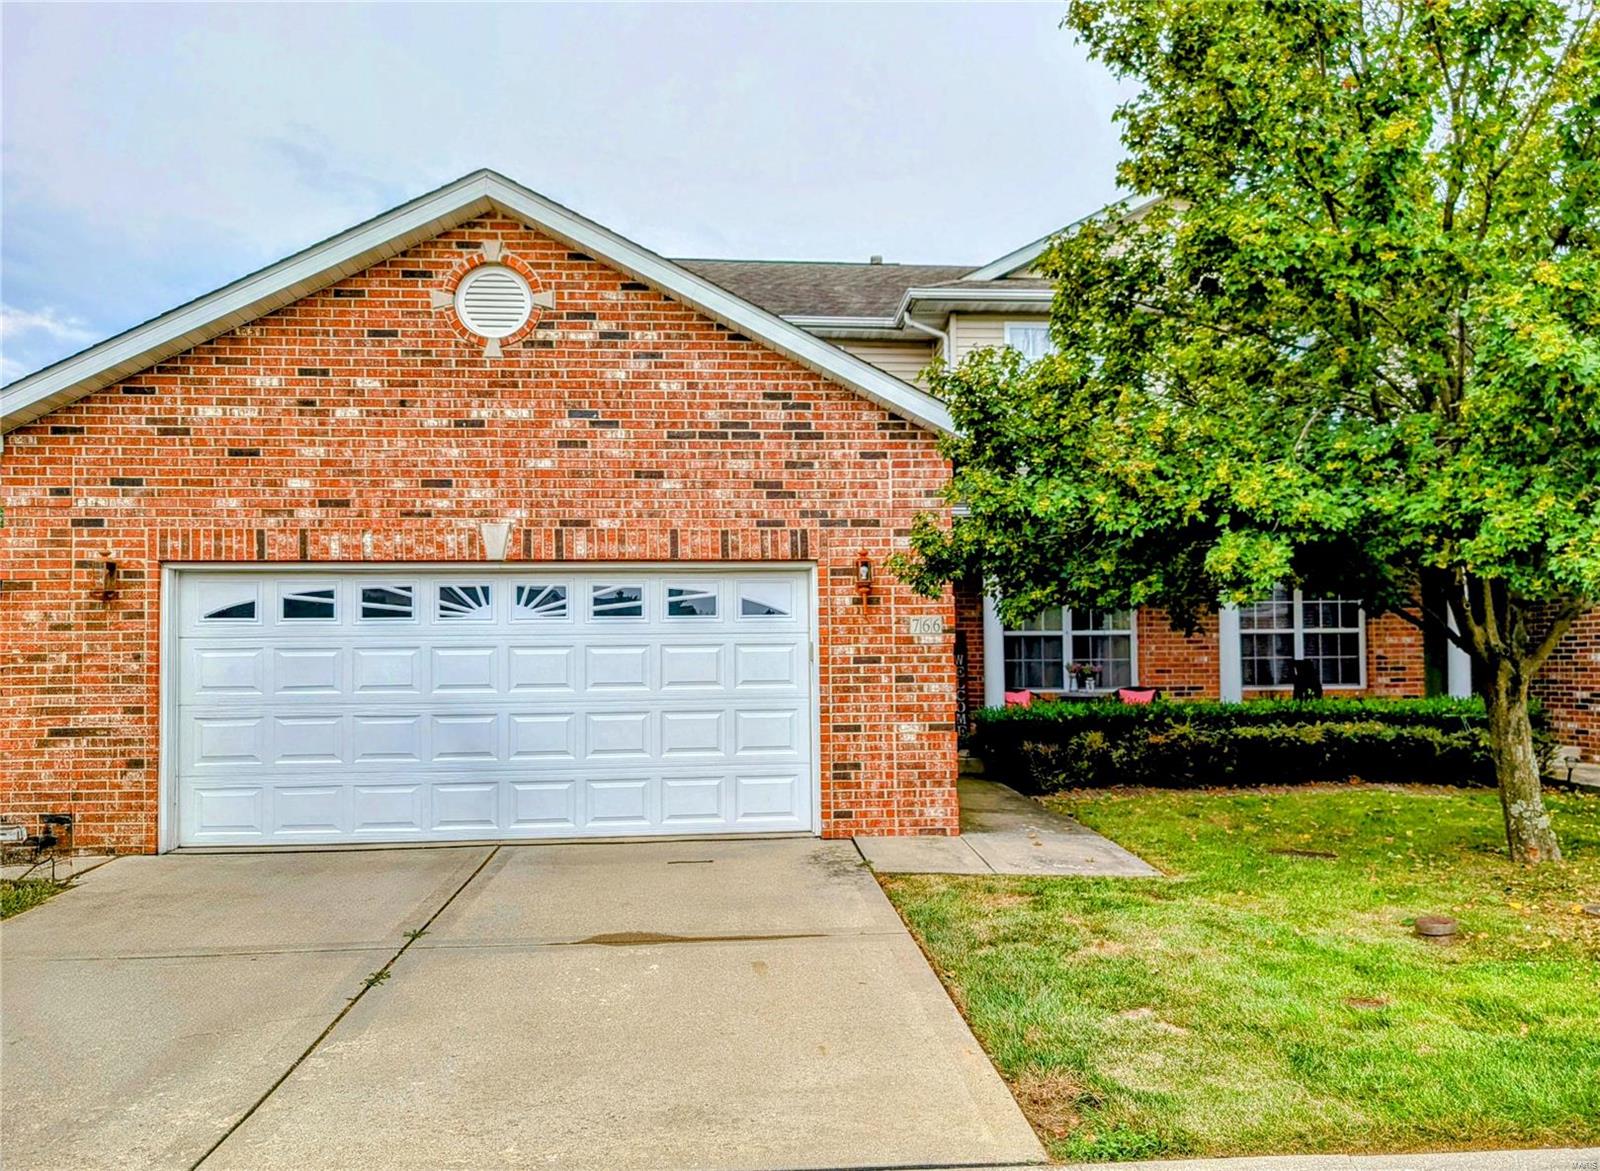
904 360
973 331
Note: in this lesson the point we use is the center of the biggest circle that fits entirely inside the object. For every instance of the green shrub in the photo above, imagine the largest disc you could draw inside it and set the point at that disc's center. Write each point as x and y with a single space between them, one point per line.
1051 746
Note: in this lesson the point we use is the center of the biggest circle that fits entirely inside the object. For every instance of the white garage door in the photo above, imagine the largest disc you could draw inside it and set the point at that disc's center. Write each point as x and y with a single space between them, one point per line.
394 706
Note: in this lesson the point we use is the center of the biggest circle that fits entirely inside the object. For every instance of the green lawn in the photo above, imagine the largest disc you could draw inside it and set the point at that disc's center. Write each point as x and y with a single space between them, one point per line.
17 897
1269 998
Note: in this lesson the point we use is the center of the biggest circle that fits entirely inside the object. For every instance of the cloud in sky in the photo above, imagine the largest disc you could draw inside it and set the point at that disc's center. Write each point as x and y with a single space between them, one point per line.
21 329
155 152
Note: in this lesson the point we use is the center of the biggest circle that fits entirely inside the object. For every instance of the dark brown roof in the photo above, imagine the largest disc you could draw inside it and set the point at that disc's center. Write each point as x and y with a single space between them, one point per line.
822 288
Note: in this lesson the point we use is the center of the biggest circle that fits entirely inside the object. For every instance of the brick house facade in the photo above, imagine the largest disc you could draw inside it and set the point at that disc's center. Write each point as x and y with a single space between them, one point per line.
347 421
1189 665
1569 688
359 425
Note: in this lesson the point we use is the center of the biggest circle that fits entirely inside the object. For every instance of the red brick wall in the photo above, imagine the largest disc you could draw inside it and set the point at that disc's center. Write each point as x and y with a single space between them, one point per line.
1183 666
969 621
1569 687
357 425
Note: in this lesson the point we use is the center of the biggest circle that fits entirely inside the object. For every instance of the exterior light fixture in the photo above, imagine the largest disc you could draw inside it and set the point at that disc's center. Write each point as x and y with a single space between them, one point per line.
864 576
108 581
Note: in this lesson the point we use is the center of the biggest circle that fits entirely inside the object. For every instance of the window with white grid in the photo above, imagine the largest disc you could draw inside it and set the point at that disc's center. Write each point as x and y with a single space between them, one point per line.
1288 626
1071 650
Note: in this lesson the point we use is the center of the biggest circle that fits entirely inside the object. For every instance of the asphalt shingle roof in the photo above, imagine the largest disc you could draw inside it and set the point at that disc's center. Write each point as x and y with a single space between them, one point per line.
823 288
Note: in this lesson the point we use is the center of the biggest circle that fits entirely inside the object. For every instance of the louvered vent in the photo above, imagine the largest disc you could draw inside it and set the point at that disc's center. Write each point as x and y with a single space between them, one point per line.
493 301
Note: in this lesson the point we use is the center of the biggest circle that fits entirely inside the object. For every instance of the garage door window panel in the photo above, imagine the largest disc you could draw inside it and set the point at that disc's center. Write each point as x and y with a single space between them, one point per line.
464 603
766 599
388 603
691 601
308 604
540 602
621 601
229 602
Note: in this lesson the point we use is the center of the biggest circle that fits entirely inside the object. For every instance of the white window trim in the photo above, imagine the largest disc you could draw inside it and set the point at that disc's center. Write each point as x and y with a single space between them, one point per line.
1012 326
994 654
1299 632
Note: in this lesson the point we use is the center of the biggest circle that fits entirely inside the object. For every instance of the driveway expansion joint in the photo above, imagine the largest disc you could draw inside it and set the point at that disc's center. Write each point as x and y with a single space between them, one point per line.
371 982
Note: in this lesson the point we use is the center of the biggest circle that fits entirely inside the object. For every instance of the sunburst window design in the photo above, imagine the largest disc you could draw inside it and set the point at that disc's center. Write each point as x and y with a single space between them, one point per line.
623 601
302 605
465 603
765 599
232 612
537 602
691 601
387 601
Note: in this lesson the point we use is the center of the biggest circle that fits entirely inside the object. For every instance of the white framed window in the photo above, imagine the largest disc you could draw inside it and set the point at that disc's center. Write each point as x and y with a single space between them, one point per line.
1030 338
766 599
1330 632
694 600
616 601
302 602
459 602
538 601
1071 650
388 603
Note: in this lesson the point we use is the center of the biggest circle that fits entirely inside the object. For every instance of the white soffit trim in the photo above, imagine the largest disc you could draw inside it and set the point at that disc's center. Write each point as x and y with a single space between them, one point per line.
392 233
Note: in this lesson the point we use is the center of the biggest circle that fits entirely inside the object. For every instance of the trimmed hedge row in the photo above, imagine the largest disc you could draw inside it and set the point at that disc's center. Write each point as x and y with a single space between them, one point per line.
1051 746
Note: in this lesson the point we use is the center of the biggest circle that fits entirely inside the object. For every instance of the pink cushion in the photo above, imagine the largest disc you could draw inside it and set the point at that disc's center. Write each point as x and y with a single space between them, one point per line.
1136 694
1019 698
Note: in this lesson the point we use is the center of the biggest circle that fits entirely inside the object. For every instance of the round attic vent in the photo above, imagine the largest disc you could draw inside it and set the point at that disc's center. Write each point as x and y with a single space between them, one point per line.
493 301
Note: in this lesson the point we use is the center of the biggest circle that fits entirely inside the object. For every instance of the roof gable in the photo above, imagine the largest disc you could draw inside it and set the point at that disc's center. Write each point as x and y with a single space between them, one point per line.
1021 260
395 231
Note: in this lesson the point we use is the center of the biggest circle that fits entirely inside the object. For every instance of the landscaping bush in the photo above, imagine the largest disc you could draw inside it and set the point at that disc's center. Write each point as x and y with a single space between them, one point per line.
1051 746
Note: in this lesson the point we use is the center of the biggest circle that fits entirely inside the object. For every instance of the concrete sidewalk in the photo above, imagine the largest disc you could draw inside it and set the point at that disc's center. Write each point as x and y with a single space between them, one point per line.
1003 832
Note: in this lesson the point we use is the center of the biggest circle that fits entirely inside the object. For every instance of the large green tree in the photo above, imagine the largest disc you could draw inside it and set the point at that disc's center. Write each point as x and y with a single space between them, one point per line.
1354 343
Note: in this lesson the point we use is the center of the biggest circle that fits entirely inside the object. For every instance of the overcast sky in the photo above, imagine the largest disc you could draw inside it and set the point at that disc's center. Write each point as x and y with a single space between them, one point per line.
153 153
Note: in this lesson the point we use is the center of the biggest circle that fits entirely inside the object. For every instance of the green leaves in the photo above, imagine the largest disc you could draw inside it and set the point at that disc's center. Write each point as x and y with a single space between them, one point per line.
1358 339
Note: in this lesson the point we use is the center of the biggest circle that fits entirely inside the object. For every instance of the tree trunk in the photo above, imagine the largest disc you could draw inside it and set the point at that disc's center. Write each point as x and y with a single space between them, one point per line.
1516 767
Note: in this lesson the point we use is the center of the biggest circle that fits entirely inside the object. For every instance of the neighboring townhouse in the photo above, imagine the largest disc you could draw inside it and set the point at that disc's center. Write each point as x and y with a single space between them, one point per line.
480 521
901 317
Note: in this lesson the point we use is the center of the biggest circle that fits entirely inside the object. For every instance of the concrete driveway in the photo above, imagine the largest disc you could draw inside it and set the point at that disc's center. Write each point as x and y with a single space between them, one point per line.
736 1004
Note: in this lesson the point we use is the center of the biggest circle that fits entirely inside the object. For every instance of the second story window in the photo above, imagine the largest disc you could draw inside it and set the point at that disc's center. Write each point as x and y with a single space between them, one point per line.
1030 338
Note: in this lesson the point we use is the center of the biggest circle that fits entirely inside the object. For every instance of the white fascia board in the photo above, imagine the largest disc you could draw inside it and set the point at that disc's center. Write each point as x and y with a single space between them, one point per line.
817 321
1011 261
391 233
1025 256
855 328
242 301
945 296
